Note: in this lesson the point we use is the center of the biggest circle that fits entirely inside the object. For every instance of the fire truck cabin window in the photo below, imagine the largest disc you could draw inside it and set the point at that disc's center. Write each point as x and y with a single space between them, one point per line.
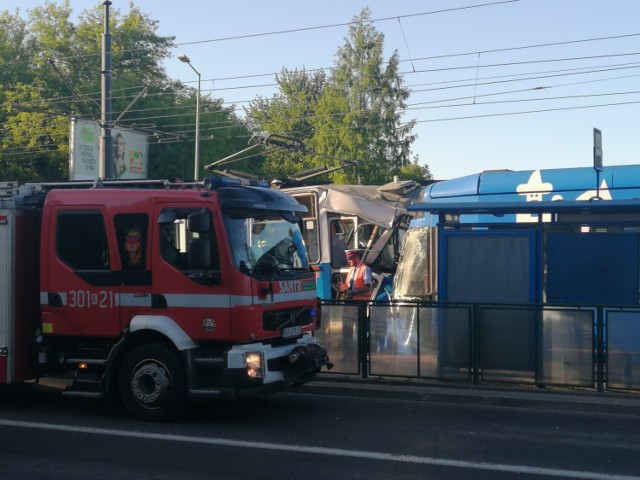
131 231
177 238
82 240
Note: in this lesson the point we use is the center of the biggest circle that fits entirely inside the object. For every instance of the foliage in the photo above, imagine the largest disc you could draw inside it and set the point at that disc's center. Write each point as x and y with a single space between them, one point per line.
50 71
32 136
289 113
352 116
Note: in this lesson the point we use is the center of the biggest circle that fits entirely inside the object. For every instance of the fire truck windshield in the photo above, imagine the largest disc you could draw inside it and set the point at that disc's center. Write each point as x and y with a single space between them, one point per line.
252 238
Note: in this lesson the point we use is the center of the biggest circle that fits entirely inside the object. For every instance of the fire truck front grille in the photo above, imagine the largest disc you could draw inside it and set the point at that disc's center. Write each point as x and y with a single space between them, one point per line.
288 318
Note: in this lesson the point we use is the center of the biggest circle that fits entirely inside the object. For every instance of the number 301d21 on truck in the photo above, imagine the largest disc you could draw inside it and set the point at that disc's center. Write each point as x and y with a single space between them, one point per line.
156 293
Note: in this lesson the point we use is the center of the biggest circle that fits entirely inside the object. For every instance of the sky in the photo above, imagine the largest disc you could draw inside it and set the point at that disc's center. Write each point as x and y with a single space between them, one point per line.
495 84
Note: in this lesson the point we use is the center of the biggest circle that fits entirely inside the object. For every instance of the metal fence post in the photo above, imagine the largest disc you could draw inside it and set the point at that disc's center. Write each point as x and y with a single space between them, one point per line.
364 337
475 347
600 350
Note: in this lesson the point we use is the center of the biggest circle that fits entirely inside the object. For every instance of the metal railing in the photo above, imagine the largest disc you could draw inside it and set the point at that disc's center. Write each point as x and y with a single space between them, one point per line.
591 347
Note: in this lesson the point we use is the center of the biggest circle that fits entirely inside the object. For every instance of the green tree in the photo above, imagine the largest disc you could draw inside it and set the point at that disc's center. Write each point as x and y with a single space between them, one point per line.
415 171
14 56
289 113
359 115
33 146
222 133
47 59
354 115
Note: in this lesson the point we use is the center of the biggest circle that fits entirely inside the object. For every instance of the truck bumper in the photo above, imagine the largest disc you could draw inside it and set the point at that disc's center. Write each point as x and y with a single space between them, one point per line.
282 366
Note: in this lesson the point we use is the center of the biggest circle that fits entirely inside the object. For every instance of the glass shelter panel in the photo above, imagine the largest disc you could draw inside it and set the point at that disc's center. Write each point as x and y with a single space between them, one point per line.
454 343
339 333
394 340
623 349
567 347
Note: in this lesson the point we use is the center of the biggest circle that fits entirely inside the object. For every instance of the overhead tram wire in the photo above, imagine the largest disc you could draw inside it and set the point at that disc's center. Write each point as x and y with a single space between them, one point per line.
436 120
282 32
29 150
505 49
344 24
527 112
542 77
395 17
622 66
518 48
628 66
526 62
69 99
409 107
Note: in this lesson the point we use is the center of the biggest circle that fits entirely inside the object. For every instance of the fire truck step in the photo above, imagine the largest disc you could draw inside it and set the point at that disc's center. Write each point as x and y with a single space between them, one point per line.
85 386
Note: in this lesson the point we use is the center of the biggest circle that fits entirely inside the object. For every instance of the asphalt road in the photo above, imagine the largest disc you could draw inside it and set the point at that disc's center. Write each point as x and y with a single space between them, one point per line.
328 429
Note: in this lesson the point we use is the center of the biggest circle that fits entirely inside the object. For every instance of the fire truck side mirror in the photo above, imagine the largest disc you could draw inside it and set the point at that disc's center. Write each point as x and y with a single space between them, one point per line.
198 222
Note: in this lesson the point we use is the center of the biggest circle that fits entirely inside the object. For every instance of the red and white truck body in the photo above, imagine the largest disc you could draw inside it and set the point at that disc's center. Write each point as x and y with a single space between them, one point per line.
156 292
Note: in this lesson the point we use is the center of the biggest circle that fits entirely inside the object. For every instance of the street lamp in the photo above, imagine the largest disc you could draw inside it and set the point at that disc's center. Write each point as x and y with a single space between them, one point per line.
183 58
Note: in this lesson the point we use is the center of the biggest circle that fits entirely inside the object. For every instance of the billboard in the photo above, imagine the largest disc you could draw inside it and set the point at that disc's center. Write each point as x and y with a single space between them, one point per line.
130 152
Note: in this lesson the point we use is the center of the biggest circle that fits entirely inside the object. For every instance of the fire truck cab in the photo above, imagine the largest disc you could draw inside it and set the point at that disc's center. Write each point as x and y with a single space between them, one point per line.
155 292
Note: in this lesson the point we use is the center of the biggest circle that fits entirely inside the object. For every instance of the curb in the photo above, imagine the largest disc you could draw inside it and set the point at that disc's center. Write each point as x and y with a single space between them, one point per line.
532 397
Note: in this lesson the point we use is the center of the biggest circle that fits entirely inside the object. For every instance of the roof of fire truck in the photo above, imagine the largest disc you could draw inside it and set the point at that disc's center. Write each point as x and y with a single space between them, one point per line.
232 194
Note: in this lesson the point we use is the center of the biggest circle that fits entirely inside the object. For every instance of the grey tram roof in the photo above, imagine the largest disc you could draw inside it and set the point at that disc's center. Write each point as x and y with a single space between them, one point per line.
501 208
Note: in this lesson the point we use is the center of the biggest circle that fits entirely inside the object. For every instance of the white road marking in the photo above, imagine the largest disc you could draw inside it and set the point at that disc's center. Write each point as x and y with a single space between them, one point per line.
336 452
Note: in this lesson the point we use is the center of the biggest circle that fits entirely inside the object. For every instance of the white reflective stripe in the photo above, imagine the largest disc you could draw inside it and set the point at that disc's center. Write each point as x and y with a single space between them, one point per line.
44 297
164 325
204 300
191 300
134 299
230 301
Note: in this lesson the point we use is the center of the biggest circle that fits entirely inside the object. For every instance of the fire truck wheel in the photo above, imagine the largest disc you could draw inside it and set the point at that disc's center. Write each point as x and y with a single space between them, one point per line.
152 383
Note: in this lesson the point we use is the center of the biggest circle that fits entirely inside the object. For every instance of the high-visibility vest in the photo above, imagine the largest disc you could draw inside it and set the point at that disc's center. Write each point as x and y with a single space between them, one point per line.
356 281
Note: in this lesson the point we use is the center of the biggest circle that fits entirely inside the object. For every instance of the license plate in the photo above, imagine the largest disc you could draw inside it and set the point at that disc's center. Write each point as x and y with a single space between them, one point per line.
291 331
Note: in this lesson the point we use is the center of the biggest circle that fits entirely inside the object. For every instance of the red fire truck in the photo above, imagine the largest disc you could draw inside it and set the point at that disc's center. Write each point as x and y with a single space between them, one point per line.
156 293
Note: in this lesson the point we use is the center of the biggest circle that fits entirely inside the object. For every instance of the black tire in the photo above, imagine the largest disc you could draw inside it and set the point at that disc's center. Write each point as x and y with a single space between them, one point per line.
152 383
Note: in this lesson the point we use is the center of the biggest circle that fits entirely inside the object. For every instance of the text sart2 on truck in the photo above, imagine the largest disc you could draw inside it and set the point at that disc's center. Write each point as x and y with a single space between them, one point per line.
155 292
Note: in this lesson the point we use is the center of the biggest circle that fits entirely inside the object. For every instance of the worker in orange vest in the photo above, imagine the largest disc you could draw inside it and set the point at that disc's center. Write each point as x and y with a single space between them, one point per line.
357 284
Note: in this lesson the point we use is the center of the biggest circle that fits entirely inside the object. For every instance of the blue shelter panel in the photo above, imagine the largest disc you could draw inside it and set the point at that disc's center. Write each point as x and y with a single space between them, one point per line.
592 268
489 267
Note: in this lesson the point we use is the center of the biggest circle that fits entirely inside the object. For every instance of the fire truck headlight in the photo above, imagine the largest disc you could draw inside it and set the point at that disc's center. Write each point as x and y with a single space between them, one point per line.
254 362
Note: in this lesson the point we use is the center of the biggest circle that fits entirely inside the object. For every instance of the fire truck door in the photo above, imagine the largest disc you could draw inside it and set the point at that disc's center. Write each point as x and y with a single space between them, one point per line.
192 293
133 244
82 281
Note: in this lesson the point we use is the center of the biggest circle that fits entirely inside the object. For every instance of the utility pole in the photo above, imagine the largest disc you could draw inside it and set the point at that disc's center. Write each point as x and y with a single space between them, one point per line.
196 167
105 168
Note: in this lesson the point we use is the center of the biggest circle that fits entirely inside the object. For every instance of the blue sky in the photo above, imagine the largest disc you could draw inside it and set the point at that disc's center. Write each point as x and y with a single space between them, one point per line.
513 85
